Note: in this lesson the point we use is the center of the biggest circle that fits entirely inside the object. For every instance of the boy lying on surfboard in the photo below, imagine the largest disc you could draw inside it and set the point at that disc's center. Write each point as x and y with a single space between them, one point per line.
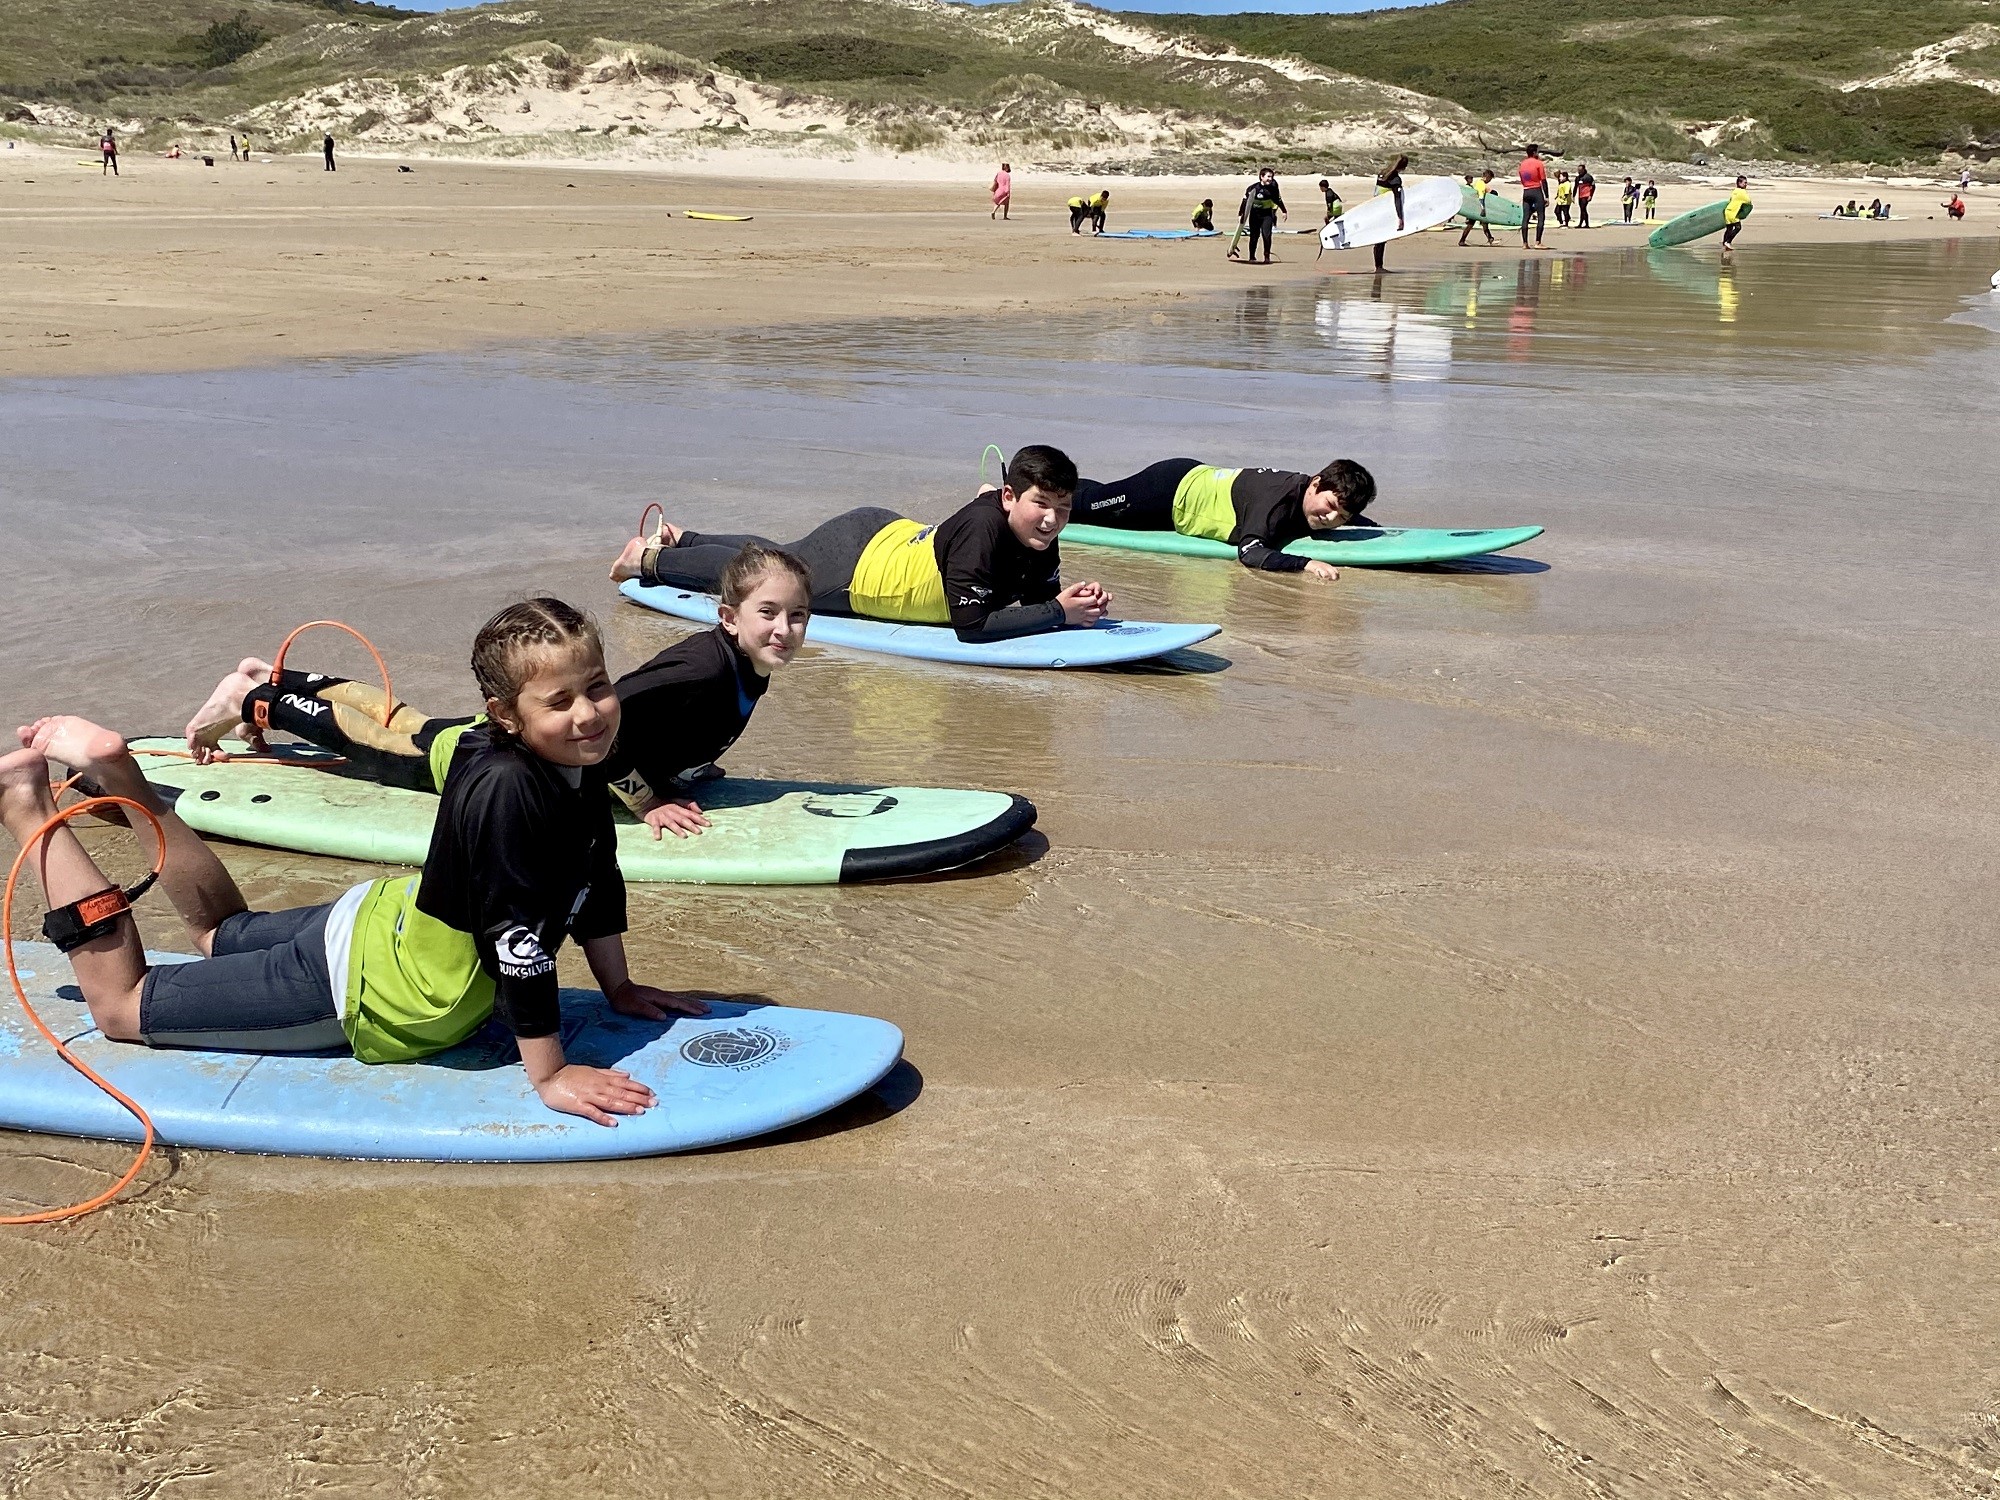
991 572
1259 512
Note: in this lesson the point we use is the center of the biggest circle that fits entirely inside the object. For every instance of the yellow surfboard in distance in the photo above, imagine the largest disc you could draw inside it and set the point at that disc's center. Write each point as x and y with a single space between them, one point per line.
721 218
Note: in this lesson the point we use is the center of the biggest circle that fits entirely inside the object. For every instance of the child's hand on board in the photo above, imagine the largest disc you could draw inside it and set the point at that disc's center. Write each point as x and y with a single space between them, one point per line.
678 818
652 1004
595 1093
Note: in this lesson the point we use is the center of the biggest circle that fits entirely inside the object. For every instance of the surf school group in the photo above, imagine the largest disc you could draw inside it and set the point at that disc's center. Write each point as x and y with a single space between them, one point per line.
1398 209
529 809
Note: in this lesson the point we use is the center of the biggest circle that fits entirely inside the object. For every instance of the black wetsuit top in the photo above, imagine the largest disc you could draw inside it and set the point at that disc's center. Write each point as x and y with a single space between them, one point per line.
1262 197
683 709
1270 507
995 587
520 859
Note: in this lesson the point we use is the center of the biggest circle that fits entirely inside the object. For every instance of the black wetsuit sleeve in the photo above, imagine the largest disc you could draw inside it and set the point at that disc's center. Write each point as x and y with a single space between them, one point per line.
603 912
1254 554
518 914
993 591
1270 516
681 710
1277 197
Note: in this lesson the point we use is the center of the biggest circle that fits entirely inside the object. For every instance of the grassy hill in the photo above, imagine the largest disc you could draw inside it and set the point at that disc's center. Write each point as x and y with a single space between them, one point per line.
1632 78
1642 69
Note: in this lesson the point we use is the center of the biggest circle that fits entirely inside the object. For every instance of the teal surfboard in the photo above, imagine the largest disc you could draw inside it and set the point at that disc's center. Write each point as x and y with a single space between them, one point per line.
1502 213
738 1072
761 833
1349 546
1695 224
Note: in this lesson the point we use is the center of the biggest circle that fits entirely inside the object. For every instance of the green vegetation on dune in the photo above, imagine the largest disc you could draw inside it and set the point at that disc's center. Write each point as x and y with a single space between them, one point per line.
1646 64
1612 77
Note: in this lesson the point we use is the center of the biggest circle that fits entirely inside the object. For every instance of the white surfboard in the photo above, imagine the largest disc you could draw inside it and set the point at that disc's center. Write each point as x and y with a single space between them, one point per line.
1426 204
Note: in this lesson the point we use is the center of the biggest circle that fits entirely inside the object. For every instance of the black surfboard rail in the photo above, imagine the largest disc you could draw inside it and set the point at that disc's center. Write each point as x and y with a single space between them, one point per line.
935 856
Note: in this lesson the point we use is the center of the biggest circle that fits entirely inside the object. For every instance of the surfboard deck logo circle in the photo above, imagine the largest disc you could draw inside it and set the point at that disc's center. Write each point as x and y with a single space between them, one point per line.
739 1047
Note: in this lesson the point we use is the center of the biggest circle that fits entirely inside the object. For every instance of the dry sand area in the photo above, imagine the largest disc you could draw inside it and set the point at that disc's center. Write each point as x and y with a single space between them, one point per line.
181 266
1512 1033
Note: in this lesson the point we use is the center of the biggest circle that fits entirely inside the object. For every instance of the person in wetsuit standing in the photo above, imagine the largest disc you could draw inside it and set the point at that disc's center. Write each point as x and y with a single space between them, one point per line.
1262 203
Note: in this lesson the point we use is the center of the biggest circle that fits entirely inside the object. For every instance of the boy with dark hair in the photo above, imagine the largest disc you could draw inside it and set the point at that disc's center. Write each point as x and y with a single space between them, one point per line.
1259 512
991 571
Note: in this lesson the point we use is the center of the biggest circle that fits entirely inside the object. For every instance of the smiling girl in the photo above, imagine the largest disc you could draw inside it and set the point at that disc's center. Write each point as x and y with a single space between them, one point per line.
522 857
681 710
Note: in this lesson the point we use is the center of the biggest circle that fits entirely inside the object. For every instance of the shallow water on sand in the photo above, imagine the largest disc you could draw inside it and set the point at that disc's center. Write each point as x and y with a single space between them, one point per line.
1512 1028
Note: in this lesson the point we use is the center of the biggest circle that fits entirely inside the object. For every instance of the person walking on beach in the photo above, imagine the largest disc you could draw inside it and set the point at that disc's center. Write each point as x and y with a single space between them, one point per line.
107 147
326 145
1003 192
1533 176
1734 212
1262 202
1586 189
232 148
1964 180
1565 196
1651 199
1334 207
1482 188
1628 198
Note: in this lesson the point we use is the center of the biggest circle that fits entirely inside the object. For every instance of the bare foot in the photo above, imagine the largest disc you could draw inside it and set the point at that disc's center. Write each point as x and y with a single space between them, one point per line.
25 800
627 565
223 712
83 746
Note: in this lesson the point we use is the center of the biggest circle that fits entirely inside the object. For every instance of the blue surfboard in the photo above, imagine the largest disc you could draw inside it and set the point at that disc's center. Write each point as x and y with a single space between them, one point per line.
740 1071
1159 234
1104 645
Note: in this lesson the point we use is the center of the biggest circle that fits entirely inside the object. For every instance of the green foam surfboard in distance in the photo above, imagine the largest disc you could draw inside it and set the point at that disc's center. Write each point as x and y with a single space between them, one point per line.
1350 546
761 833
1695 224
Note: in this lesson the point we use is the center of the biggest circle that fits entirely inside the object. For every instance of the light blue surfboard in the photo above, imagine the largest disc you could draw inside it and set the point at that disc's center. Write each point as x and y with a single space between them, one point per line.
1104 645
1159 234
738 1072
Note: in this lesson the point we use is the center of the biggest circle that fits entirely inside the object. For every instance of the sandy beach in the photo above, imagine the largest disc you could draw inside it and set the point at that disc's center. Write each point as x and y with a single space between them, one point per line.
1521 1029
177 266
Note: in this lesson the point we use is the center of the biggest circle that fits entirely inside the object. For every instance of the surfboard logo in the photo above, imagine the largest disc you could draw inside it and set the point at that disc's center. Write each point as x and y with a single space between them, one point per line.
738 1047
848 804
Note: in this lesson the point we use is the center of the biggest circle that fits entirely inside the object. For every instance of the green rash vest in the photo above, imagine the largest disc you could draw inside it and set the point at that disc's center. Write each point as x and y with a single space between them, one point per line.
520 859
1259 512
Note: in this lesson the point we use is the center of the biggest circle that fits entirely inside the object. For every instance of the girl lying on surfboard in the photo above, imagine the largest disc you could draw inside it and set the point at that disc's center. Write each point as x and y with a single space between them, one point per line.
682 709
522 857
1259 512
991 572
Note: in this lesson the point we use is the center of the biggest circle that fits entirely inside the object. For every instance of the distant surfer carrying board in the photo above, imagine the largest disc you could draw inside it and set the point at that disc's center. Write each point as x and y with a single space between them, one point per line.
1259 512
991 571
1391 182
1533 175
680 711
1482 189
1734 212
523 857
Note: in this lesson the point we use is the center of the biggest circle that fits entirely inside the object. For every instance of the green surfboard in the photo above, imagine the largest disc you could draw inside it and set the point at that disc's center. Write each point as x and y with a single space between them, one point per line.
1695 224
1350 546
1493 209
762 833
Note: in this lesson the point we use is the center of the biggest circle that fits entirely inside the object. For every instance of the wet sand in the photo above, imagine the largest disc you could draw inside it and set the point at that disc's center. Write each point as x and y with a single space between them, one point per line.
1521 1029
177 266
